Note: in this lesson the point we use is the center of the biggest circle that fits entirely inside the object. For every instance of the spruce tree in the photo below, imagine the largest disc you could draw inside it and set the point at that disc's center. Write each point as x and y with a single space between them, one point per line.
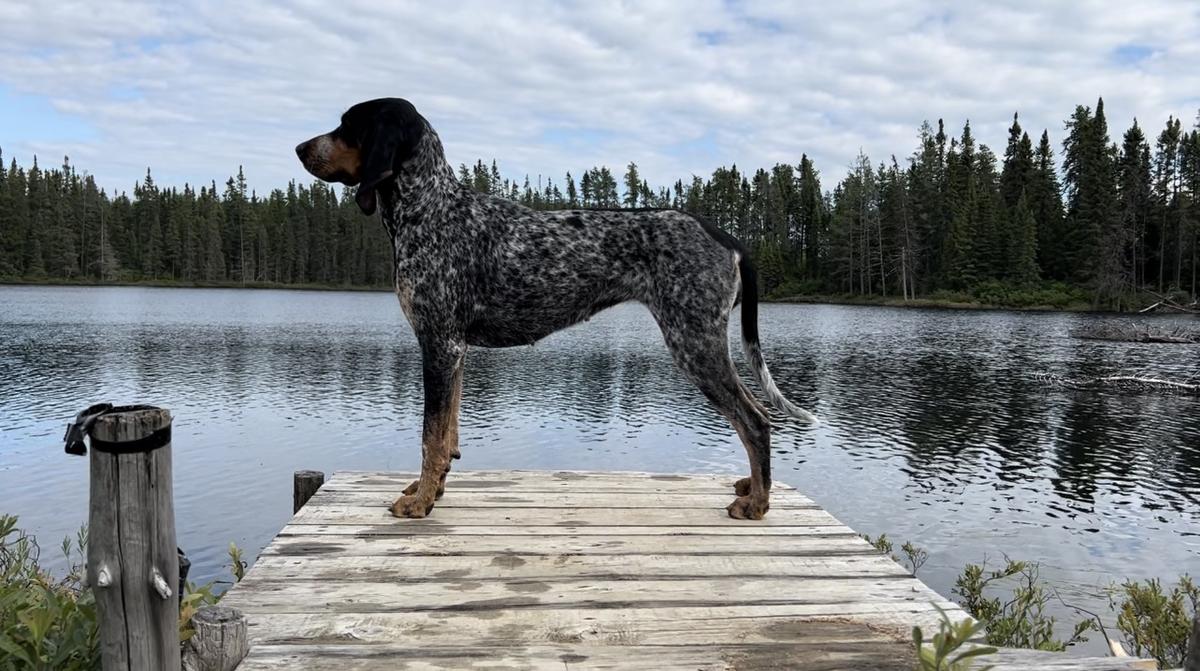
633 184
1134 184
1023 252
572 194
1046 205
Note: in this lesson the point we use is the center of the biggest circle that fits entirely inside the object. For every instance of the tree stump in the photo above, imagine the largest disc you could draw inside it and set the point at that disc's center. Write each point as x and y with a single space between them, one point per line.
220 642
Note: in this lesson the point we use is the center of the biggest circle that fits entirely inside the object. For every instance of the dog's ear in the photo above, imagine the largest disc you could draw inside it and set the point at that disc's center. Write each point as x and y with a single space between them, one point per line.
397 130
378 165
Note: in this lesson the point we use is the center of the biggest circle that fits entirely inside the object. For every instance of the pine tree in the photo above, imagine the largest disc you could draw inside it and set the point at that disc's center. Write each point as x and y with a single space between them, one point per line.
1023 254
1016 181
1134 184
958 253
572 194
9 256
926 177
1166 227
809 228
1046 205
1092 228
633 184
993 240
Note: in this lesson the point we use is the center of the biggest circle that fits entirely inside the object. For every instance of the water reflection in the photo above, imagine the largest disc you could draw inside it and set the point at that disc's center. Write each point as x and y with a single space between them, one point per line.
936 426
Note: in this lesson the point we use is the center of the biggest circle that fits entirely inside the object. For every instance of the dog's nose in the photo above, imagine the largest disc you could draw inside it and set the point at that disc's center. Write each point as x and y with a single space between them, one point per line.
300 149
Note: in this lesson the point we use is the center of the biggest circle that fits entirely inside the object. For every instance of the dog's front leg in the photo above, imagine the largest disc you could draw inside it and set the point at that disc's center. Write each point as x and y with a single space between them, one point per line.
451 434
441 363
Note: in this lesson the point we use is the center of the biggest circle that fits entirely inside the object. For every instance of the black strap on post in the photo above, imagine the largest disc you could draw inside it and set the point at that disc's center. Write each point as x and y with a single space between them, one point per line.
82 426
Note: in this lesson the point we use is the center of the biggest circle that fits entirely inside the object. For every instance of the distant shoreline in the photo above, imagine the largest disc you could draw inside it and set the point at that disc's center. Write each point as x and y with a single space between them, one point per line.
183 284
803 299
897 302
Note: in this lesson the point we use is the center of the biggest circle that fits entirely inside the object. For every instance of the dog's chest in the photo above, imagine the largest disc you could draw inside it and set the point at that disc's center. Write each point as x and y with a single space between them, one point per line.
404 291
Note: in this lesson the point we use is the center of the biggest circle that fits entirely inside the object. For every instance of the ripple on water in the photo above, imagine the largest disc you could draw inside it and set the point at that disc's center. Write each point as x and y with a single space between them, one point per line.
935 426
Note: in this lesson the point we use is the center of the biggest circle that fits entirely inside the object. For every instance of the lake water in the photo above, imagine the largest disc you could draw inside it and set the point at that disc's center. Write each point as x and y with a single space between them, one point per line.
936 428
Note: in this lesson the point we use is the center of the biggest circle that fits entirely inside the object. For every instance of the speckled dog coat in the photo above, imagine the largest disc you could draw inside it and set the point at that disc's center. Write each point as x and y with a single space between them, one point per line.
474 269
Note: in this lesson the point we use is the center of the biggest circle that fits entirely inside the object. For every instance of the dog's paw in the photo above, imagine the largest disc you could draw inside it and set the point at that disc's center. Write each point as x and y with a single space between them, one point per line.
412 507
748 508
412 489
741 487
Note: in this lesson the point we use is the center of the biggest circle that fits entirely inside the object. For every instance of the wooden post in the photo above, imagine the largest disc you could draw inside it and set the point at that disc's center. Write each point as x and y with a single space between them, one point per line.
1192 661
304 485
133 567
220 642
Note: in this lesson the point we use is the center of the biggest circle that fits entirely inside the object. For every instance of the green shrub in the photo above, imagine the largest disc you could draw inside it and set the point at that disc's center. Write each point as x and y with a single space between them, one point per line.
948 296
1156 623
914 556
46 623
950 637
50 624
1019 619
793 286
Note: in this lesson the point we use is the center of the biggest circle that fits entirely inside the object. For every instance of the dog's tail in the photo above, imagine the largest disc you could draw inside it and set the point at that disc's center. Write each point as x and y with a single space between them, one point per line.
750 343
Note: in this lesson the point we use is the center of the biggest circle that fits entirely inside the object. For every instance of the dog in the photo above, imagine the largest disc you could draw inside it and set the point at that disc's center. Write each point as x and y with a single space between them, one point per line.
476 270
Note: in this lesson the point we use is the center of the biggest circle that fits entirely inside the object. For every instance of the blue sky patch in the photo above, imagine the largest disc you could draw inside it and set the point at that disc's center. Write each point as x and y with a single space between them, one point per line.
26 118
1132 54
564 136
125 93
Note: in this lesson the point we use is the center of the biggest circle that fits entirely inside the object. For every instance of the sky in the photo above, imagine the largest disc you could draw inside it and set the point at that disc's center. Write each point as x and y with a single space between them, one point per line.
196 89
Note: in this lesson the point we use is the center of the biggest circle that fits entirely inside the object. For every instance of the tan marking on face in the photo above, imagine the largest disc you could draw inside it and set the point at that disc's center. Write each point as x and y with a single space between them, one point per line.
344 158
332 159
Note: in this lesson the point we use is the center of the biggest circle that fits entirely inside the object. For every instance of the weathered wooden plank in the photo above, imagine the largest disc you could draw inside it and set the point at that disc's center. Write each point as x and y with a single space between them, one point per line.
552 567
818 655
315 513
558 476
315 596
491 545
582 570
723 625
548 481
1012 659
748 531
869 654
572 499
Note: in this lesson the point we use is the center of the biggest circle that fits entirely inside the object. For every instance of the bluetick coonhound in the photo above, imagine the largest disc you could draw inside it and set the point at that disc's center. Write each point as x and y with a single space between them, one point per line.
474 269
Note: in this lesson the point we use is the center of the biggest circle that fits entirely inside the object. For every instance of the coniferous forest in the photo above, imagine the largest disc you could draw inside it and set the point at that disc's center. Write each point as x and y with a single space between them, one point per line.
1085 219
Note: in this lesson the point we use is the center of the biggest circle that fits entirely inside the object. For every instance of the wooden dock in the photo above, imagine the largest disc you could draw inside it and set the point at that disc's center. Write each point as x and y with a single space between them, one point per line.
571 570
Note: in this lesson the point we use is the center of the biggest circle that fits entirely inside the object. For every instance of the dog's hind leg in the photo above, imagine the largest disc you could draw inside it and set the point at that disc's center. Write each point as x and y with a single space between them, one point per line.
442 372
701 350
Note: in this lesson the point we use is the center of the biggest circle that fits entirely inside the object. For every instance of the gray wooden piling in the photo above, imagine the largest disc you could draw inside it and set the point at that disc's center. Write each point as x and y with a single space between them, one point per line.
304 485
132 562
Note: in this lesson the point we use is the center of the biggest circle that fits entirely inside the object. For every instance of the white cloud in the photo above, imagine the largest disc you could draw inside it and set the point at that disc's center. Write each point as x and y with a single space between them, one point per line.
194 89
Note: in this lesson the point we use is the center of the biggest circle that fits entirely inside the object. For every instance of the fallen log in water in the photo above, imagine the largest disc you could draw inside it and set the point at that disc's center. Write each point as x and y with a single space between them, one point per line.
1170 304
1126 382
1124 332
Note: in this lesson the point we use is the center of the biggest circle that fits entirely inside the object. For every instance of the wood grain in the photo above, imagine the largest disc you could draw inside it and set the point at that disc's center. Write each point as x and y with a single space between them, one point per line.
571 570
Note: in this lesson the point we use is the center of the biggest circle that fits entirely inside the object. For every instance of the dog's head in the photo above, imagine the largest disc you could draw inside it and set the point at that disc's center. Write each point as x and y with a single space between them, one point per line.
367 147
